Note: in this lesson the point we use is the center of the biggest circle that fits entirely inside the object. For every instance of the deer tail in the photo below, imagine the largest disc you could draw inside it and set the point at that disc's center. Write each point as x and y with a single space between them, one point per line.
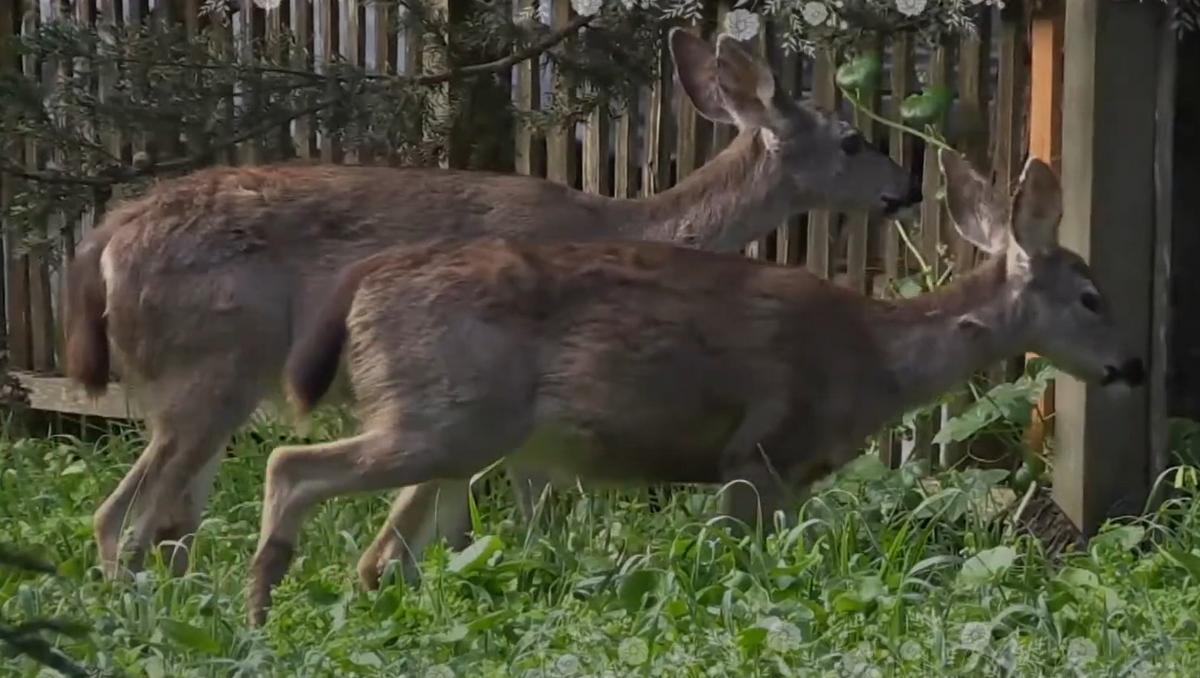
87 350
313 360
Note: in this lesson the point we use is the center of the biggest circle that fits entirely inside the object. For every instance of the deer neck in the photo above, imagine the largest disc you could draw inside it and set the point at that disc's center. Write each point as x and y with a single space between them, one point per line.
927 349
731 200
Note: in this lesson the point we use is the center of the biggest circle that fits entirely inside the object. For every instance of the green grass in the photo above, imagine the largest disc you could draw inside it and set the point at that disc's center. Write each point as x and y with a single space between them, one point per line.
883 578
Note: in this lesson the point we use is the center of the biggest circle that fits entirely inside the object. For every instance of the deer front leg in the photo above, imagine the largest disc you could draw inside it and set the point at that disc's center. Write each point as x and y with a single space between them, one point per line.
419 515
754 490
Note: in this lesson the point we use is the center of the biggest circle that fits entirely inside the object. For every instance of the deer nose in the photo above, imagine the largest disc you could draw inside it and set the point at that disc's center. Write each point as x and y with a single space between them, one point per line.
914 193
1132 372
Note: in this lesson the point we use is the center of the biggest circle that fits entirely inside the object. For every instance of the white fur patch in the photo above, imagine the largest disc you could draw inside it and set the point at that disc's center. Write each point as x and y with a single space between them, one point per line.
770 140
107 274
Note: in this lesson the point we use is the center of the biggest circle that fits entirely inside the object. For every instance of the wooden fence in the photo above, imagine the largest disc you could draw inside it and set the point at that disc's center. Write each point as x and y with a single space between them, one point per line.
660 140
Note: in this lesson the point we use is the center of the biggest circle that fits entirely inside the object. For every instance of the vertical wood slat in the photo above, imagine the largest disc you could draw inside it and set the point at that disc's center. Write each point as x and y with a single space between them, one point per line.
656 164
16 267
322 31
900 146
595 152
858 224
560 139
272 35
248 152
526 96
1045 143
686 153
758 248
972 140
298 58
131 14
787 235
902 80
375 43
931 210
41 317
824 94
624 151
348 44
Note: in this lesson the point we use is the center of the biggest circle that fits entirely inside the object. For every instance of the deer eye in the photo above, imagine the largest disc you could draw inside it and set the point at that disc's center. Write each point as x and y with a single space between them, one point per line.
852 144
1090 301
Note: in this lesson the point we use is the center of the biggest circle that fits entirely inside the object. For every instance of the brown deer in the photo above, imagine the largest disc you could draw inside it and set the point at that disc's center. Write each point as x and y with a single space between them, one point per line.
200 284
624 363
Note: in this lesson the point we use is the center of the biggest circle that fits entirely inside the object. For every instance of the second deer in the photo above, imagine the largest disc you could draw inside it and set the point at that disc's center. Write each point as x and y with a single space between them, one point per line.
200 285
664 364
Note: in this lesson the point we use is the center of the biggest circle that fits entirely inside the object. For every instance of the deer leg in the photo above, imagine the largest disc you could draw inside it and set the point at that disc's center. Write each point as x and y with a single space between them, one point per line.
298 478
170 483
420 514
176 536
529 487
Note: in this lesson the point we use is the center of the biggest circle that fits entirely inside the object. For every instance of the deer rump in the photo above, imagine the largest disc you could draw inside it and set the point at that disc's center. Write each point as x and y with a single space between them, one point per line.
592 360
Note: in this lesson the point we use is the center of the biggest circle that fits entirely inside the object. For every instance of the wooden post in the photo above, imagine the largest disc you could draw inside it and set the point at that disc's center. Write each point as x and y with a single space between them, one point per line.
1045 143
560 140
1111 64
298 58
525 98
824 93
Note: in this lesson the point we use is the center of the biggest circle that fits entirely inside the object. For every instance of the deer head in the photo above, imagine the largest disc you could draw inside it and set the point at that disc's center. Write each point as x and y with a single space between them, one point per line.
826 161
1052 302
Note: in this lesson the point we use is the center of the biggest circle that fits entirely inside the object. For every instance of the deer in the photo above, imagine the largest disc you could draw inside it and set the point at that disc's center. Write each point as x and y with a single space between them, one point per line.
197 288
620 363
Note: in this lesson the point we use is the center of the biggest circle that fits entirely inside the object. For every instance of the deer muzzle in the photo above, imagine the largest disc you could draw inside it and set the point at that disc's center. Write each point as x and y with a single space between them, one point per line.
1132 372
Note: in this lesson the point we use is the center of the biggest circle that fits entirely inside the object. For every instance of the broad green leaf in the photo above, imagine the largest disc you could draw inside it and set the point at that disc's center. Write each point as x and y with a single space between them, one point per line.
321 594
860 75
635 586
191 637
475 555
750 639
986 565
453 634
1125 537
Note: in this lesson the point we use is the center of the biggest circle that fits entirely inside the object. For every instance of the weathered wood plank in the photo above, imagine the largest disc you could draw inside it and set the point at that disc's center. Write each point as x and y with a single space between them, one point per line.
824 93
1111 50
624 152
41 315
1045 143
322 30
348 49
932 221
14 332
525 97
1164 225
787 236
560 139
595 153
656 165
902 81
300 27
858 224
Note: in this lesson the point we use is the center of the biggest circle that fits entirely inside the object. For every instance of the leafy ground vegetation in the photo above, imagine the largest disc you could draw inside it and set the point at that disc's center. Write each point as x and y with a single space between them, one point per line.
885 575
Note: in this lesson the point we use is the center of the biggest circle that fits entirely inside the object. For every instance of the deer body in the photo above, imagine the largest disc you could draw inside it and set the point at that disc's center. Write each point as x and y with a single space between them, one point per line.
200 285
662 364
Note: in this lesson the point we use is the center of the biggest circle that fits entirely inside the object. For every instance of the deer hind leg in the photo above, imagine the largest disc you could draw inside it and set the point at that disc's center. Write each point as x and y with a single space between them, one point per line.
163 495
420 515
298 478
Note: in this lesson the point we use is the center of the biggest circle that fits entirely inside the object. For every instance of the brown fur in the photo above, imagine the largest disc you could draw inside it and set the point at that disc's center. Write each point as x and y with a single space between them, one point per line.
635 362
313 361
210 276
87 357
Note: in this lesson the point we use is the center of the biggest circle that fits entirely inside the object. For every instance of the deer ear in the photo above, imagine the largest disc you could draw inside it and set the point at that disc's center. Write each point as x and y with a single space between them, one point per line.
747 85
696 67
979 215
1037 208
